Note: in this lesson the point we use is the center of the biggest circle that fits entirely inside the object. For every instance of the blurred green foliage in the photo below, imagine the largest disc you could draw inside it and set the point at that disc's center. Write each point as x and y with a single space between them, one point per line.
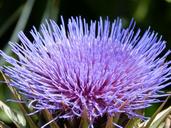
16 15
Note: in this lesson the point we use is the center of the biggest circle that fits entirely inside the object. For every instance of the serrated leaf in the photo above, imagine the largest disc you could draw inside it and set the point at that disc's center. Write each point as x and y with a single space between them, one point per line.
160 117
17 118
148 124
17 97
158 121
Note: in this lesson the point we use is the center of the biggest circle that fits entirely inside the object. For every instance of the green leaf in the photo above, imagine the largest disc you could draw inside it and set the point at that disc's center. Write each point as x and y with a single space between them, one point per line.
142 10
158 121
160 118
168 122
155 114
169 1
51 10
21 24
135 121
132 123
4 117
5 26
16 118
22 107
162 125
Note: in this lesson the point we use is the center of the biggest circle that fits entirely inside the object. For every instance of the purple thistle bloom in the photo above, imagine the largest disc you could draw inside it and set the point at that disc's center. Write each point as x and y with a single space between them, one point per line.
101 68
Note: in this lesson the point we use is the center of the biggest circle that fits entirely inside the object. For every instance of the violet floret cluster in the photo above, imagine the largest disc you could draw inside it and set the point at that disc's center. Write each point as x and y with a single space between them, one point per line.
99 67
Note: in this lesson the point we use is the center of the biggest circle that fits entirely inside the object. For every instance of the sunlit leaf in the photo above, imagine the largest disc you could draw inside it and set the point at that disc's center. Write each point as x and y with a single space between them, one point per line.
17 97
168 122
161 125
4 117
132 123
160 118
157 111
158 121
16 118
169 1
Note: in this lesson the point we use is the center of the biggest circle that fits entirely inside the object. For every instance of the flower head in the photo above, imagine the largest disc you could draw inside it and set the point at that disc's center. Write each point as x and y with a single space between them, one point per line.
98 67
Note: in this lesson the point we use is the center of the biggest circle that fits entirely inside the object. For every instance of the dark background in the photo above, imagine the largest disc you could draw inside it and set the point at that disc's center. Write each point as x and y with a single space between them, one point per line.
154 13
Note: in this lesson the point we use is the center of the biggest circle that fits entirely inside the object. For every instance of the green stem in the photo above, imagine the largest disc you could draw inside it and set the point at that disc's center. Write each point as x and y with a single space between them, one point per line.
109 123
84 120
49 117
